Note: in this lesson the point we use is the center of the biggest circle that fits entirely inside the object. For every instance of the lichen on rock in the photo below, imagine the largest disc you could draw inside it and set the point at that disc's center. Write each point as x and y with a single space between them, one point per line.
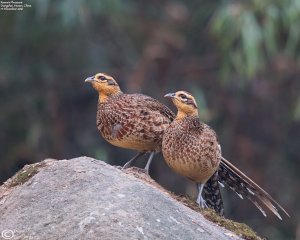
84 198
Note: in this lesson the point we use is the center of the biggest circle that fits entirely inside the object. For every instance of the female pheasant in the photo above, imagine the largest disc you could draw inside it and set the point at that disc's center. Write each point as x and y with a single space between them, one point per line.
131 121
191 149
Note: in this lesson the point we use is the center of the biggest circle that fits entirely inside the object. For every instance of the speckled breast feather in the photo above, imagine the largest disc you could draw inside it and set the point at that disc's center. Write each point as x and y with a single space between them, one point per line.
191 149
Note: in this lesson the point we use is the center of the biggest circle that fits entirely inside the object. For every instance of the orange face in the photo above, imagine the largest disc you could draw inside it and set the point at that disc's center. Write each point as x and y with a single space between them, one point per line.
104 84
185 104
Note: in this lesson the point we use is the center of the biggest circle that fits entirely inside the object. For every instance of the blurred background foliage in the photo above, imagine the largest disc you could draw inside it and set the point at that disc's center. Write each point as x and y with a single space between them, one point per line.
241 60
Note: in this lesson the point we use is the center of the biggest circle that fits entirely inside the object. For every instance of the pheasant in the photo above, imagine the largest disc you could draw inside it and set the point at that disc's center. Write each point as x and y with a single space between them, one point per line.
131 121
191 149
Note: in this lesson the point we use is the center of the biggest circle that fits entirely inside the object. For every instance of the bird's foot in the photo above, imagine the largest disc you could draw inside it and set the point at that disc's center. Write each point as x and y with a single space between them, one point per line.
126 165
201 202
149 162
146 170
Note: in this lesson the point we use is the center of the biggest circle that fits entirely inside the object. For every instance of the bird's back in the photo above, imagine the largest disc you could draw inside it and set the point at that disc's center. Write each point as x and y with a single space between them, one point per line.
133 121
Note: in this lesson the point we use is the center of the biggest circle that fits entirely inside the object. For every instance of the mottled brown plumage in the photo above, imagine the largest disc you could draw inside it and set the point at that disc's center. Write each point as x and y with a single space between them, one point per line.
191 149
131 121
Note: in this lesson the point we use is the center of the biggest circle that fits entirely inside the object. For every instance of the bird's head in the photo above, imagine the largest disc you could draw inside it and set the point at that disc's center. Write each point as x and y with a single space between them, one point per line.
185 104
105 85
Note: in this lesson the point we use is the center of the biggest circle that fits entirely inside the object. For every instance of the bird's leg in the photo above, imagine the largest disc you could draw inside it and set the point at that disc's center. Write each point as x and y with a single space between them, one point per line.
149 162
200 199
133 160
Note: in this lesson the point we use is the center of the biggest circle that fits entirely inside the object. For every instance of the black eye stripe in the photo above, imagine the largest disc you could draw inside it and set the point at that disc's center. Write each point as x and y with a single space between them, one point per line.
183 96
111 82
191 102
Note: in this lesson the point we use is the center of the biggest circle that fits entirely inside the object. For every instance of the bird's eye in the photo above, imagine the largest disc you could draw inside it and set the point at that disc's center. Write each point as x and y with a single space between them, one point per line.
183 97
102 78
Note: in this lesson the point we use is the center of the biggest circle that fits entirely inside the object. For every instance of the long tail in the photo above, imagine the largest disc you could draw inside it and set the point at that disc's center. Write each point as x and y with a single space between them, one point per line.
212 194
244 186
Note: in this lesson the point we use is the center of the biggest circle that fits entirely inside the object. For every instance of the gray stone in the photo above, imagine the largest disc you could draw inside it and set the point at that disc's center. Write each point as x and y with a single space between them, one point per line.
84 198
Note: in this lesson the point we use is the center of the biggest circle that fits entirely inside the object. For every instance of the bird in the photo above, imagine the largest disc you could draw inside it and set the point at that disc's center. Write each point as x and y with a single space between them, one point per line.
130 121
191 148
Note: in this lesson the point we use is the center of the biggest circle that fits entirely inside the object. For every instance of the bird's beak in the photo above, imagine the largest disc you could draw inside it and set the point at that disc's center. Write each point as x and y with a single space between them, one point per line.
89 79
170 95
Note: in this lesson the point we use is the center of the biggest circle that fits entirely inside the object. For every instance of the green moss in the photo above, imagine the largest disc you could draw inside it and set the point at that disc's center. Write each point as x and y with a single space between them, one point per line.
25 174
239 229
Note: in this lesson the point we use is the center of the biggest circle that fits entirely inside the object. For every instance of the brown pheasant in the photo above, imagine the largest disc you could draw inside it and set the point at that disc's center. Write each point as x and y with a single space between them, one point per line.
191 149
132 121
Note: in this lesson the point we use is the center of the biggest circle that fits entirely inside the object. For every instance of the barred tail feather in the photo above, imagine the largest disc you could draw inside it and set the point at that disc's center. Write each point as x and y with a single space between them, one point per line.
212 194
243 185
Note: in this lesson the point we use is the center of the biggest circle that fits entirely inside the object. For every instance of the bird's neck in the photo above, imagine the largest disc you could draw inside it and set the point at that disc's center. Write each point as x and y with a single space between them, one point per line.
104 96
184 114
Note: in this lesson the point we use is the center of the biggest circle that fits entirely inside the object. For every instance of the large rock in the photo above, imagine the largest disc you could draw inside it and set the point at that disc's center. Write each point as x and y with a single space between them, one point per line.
84 198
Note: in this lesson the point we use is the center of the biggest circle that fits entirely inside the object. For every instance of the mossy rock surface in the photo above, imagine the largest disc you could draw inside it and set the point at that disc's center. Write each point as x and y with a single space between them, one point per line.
239 229
25 174
85 198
